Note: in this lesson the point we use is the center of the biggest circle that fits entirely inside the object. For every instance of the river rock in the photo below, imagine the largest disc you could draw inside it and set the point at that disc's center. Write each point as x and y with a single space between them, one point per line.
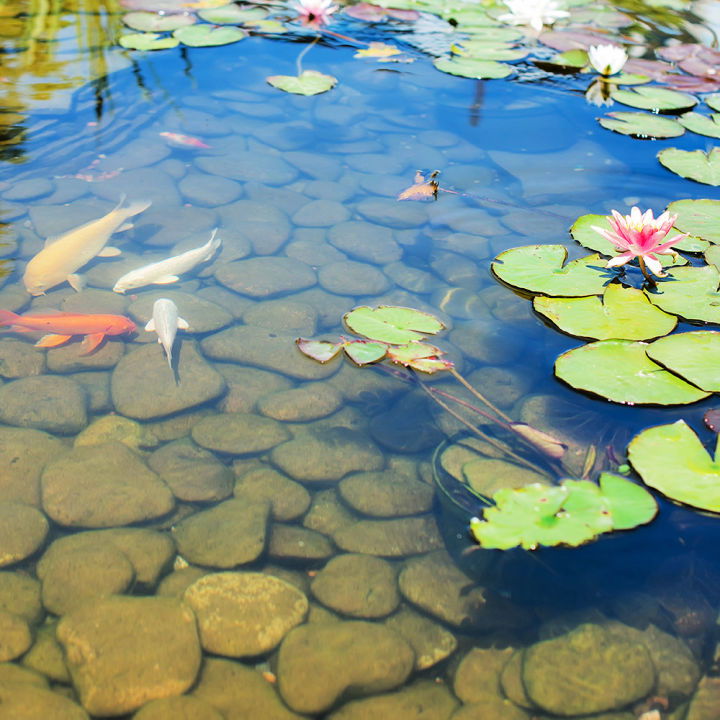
246 385
169 228
266 277
328 513
52 403
202 315
390 538
301 404
321 213
316 165
178 581
209 190
587 671
431 642
313 671
103 486
486 342
123 652
70 358
262 221
244 614
12 675
249 166
705 702
96 386
28 702
385 494
238 692
349 277
116 428
20 595
239 433
361 586
46 655
511 681
494 707
229 534
501 386
20 359
192 473
313 250
143 387
290 543
366 242
283 315
389 212
478 674
182 707
327 455
15 637
23 530
288 499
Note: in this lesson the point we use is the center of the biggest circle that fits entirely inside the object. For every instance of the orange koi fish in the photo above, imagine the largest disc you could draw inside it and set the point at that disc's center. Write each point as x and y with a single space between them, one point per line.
62 326
183 140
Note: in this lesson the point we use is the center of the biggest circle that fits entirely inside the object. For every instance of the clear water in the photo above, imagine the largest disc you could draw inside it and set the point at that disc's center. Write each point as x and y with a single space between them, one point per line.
518 161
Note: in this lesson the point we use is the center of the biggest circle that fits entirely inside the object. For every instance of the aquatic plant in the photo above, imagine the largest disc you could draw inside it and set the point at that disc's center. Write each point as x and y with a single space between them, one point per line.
534 13
314 13
607 59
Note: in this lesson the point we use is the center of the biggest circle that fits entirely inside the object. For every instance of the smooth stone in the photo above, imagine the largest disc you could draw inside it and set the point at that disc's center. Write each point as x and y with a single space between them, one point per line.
291 543
361 586
156 186
262 221
494 707
29 189
27 702
179 580
13 297
124 652
141 152
209 190
239 433
588 670
478 674
329 307
391 213
244 614
249 166
246 385
326 190
422 700
312 673
321 213
282 197
328 513
182 707
378 163
411 279
365 241
456 270
327 455
352 278
231 533
52 403
511 681
390 538
15 637
92 300
501 386
20 595
70 358
19 359
323 167
46 655
116 428
23 529
12 675
235 304
168 228
143 387
192 473
83 488
384 494
487 475
239 692
301 404
202 315
177 426
486 342
283 315
431 642
261 347
96 385
474 246
52 220
704 703
266 277
313 251
288 499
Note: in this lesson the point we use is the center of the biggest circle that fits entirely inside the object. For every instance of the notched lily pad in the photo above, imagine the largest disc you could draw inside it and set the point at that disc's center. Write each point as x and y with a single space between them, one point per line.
319 350
630 505
701 124
698 217
471 68
153 22
233 14
655 98
208 36
394 325
694 356
693 164
309 82
147 41
646 126
364 352
690 293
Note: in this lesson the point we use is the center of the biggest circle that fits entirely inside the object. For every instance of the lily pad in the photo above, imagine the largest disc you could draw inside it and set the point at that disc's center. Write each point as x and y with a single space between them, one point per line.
153 22
147 41
671 459
713 101
655 98
623 313
540 269
630 505
646 126
364 352
712 256
624 78
471 68
701 124
394 325
691 293
309 82
233 14
698 217
207 35
695 356
419 356
319 350
269 27
489 50
621 371
693 164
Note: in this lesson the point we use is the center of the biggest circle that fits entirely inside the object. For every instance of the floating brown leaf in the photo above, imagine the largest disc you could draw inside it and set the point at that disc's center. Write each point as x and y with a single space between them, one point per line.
423 189
712 419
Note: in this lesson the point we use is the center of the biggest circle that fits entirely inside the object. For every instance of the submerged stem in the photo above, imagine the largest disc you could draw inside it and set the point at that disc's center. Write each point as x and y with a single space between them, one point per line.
650 280
478 395
303 53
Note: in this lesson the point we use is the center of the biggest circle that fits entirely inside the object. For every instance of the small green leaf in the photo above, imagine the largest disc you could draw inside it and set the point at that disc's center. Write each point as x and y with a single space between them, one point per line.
208 36
394 325
701 124
573 58
641 125
147 41
233 14
470 68
630 505
698 217
362 352
690 293
655 98
489 50
270 27
153 22
624 78
694 356
713 101
319 350
309 82
693 164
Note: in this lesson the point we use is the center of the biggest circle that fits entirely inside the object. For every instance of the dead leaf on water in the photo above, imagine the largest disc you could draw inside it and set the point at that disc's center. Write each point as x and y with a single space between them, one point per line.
423 189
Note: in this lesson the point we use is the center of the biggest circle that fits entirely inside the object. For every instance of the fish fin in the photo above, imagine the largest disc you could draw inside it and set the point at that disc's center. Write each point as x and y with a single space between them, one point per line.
214 242
77 282
91 342
52 340
136 207
182 323
7 317
166 280
150 325
109 251
125 226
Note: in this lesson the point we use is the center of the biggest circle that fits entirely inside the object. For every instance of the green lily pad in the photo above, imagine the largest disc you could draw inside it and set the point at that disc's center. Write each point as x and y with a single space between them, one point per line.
270 27
713 101
624 78
693 164
147 41
496 34
309 82
489 50
394 325
646 126
419 356
153 22
695 356
362 352
698 217
539 269
623 313
712 256
671 459
690 293
471 68
630 505
655 98
232 14
319 350
701 124
621 371
208 36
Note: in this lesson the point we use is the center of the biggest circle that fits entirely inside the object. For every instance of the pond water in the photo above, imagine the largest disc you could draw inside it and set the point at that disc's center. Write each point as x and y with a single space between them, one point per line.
248 533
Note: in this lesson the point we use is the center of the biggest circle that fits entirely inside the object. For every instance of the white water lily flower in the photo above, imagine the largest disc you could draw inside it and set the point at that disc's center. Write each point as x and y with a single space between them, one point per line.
535 13
607 59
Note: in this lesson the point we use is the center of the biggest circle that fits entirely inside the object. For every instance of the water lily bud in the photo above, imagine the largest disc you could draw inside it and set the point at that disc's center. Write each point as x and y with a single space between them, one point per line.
607 59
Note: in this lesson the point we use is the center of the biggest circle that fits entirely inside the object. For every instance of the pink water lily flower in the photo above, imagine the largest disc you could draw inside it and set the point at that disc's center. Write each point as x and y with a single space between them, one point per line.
314 13
640 235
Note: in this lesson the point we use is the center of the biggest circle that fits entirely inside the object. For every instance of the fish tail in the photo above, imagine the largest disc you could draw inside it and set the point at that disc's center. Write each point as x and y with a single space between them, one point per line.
214 242
7 317
133 208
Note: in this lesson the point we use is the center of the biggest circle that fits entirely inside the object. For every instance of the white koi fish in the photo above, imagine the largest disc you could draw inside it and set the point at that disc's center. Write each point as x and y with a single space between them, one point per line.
64 254
169 270
165 321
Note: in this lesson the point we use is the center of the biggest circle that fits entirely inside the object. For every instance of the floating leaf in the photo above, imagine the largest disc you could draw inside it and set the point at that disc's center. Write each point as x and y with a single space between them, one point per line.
319 350
655 98
698 217
577 58
539 269
208 36
690 292
233 14
693 164
630 505
423 189
712 256
270 27
362 352
623 313
701 124
641 125
671 459
620 370
152 22
713 102
309 82
394 325
419 356
378 50
147 41
489 50
695 356
624 78
470 68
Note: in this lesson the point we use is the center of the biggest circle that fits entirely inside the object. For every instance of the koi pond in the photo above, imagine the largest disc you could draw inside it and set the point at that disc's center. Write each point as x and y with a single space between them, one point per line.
359 361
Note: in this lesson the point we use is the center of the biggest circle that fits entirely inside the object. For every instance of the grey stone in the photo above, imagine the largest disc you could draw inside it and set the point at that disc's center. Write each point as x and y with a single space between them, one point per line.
313 251
478 674
390 538
301 404
209 190
321 213
249 166
23 530
289 500
327 513
384 494
163 228
70 358
389 212
352 278
246 385
283 315
291 543
266 277
365 241
19 359
431 642
239 433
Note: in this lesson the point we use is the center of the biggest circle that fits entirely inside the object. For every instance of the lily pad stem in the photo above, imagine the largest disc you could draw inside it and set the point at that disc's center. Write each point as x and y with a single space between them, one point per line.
303 53
650 280
478 395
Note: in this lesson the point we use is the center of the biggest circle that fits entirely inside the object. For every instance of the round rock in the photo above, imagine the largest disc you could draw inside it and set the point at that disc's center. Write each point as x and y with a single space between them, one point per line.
28 702
431 641
249 166
209 190
239 433
384 494
266 277
15 637
20 595
321 213
290 543
353 278
244 614
288 499
20 359
23 530
390 538
302 404
365 241
69 358
183 707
